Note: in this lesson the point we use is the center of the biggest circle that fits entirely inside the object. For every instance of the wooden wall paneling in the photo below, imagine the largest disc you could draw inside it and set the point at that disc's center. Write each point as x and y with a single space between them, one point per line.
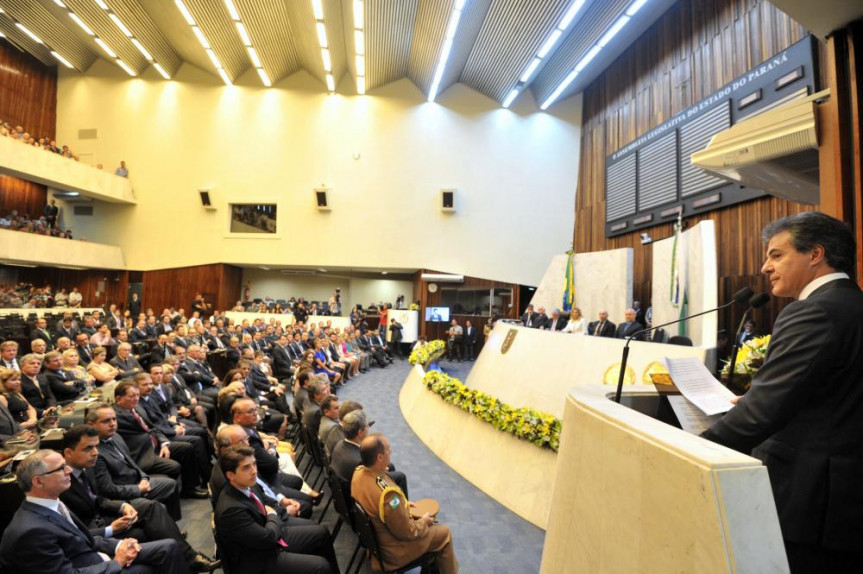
855 92
693 49
834 120
109 284
165 288
230 287
26 197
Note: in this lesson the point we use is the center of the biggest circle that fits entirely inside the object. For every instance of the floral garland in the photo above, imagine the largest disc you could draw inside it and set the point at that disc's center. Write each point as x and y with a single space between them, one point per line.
427 353
750 357
542 429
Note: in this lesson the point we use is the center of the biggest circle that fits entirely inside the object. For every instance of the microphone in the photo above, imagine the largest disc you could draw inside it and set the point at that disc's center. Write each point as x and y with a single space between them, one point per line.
742 296
755 302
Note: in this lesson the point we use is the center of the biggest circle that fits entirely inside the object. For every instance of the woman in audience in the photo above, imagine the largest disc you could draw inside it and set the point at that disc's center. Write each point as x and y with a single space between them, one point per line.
101 370
73 369
321 364
12 399
352 360
577 323
353 346
61 299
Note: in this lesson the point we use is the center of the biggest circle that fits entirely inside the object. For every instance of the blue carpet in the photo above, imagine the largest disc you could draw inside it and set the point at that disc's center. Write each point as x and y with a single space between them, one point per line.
489 539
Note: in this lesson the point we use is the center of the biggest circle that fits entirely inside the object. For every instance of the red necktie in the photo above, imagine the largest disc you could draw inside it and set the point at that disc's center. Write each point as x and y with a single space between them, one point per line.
145 427
260 506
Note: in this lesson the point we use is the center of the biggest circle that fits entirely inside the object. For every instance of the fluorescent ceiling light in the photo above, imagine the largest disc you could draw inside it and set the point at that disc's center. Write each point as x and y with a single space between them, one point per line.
62 60
358 14
361 65
559 90
635 7
318 9
120 25
582 64
453 24
123 65
331 83
612 32
549 44
322 34
529 71
253 55
162 71
201 38
105 47
570 14
232 10
224 76
81 23
452 27
359 42
214 59
264 78
142 49
102 4
361 85
24 29
328 64
510 97
184 11
60 3
244 35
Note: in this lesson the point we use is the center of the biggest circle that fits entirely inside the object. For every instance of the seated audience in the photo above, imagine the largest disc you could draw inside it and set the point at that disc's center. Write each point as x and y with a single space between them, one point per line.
577 323
603 327
99 368
64 388
630 327
17 406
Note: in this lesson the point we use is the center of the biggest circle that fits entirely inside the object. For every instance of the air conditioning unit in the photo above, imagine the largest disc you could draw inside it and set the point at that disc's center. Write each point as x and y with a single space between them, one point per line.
775 151
298 272
442 278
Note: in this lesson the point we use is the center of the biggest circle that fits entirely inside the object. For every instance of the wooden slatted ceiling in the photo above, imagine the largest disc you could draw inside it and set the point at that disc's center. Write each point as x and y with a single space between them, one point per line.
21 41
213 19
511 34
58 35
145 29
97 19
428 37
340 51
389 28
271 33
303 28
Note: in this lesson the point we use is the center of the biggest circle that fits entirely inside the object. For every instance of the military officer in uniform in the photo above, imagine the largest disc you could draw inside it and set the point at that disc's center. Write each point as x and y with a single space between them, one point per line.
402 538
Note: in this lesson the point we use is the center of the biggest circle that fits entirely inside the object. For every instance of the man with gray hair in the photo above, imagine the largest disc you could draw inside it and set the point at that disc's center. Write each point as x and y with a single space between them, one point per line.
44 536
803 414
125 362
318 390
555 323
346 454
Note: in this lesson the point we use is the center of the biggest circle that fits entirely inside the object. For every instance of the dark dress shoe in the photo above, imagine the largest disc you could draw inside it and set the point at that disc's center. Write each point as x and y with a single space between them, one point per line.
203 563
316 501
196 493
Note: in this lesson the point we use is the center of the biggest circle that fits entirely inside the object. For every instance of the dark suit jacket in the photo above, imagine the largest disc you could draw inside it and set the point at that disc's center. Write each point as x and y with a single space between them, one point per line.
248 539
60 388
803 416
8 425
40 397
312 415
117 474
96 514
558 326
40 540
140 446
282 363
126 366
470 335
622 331
533 317
268 464
608 329
345 459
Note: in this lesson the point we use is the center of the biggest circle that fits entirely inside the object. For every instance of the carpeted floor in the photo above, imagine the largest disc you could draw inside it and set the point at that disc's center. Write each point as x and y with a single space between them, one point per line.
488 537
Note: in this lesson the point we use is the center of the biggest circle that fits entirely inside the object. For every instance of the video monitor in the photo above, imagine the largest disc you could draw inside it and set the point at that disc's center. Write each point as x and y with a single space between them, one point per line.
437 314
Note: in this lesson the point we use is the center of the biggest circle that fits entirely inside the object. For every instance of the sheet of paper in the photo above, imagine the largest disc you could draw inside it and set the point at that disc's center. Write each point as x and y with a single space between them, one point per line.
699 386
691 419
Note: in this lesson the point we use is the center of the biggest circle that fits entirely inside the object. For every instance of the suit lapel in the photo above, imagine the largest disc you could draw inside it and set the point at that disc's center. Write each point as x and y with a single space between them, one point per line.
54 517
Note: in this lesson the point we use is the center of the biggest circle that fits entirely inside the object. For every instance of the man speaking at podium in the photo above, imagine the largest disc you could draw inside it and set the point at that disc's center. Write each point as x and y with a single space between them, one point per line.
803 415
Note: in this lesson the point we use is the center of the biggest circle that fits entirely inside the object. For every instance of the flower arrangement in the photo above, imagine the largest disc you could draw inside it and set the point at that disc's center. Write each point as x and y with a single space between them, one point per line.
750 357
413 307
427 353
542 429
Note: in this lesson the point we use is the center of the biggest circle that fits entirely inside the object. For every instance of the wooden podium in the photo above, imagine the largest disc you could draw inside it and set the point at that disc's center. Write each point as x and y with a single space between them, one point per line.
633 494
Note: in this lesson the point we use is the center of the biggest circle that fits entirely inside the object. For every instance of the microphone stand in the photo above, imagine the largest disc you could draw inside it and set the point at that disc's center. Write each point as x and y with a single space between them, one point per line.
741 296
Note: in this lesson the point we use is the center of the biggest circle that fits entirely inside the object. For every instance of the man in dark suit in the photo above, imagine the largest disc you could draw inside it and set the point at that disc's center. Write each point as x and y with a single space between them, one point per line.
36 391
803 415
40 331
125 362
629 327
138 518
252 535
603 327
44 536
529 317
346 454
66 330
139 333
196 372
117 474
160 350
63 386
85 351
312 414
555 323
9 355
366 345
283 365
9 427
152 450
470 336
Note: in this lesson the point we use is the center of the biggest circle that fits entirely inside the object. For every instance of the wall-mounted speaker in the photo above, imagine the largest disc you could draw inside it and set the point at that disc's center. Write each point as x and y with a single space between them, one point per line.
206 198
447 200
322 199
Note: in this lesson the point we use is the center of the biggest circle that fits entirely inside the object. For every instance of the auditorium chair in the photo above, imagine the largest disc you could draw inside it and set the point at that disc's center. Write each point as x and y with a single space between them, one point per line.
344 505
369 540
680 340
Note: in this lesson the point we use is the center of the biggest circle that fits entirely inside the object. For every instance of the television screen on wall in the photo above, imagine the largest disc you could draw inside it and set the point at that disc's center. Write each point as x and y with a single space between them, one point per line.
437 314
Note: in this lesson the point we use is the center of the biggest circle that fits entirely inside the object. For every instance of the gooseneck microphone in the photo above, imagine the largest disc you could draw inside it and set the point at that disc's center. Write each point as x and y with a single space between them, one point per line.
754 303
742 296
